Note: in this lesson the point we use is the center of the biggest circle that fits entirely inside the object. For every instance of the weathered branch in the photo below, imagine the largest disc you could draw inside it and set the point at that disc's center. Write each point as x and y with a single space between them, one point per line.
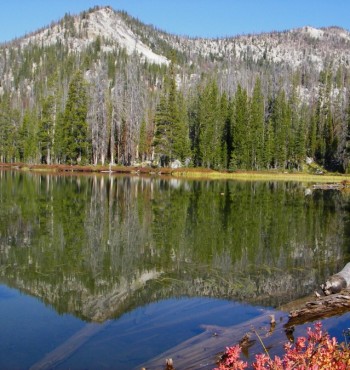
319 308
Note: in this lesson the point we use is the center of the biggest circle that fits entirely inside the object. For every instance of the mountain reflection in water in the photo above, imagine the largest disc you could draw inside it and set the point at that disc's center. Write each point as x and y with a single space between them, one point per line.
98 247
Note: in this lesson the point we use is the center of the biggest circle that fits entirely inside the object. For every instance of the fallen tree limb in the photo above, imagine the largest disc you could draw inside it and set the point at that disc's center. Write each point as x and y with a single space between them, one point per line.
319 308
203 351
65 350
331 186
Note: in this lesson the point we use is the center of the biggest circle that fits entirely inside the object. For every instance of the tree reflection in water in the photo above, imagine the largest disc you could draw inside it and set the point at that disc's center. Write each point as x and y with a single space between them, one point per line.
99 246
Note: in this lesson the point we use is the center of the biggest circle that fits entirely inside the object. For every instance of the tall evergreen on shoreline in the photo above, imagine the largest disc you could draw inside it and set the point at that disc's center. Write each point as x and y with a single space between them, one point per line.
75 145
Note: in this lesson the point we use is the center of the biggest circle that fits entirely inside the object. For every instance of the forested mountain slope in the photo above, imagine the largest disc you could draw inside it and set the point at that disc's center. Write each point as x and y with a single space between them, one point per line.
103 87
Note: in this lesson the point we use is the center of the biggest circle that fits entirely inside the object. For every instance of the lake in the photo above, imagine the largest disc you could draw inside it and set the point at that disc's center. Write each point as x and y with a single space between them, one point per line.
137 265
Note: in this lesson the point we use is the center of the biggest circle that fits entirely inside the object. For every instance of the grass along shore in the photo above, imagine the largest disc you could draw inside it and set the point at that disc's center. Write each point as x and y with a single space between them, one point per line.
265 176
195 173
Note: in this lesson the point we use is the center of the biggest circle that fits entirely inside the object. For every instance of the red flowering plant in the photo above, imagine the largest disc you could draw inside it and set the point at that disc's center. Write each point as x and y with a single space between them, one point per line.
230 359
317 351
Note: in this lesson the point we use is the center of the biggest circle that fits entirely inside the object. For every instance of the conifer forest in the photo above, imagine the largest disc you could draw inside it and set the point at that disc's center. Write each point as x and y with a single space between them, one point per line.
84 99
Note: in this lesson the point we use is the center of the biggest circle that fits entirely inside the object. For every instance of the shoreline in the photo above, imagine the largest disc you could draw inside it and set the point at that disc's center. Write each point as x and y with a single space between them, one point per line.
189 173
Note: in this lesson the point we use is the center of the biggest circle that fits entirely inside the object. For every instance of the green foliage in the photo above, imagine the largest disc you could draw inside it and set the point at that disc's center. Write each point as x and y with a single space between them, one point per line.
257 127
171 138
181 142
211 125
241 134
101 230
281 124
28 138
191 110
226 139
46 129
75 144
143 147
9 127
163 133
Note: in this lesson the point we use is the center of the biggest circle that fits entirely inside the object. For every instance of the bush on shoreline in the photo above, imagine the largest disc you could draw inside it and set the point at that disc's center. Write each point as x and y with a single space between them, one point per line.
316 351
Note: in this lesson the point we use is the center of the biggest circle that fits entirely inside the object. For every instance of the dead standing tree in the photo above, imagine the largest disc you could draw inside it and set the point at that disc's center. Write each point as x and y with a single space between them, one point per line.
98 116
134 102
117 117
128 106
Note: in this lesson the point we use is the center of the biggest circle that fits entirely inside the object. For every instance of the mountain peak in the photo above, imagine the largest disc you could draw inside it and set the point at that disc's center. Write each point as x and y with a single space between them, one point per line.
315 33
78 32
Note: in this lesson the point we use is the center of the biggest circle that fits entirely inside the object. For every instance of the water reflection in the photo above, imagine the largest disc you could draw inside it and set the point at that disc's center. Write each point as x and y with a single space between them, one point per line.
100 246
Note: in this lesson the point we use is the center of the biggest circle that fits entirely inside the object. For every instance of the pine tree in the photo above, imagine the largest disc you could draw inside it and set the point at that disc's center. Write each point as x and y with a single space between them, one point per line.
181 141
312 136
226 140
211 127
142 148
300 139
163 133
171 138
28 138
5 129
268 151
75 144
257 118
324 120
281 122
9 127
46 129
59 141
194 126
241 139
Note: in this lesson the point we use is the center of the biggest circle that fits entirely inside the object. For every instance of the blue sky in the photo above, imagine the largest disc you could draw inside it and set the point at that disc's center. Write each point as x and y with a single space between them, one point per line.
204 18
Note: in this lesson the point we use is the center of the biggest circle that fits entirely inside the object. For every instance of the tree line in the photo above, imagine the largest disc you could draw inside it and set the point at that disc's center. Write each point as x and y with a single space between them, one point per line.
99 108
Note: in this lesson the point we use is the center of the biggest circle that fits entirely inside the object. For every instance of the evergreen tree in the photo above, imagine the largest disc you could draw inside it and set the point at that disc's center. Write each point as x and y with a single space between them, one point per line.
194 126
59 142
142 148
324 122
293 140
300 139
268 151
163 132
181 141
257 119
312 136
46 129
241 133
281 122
5 129
226 141
9 127
75 143
211 127
28 138
171 138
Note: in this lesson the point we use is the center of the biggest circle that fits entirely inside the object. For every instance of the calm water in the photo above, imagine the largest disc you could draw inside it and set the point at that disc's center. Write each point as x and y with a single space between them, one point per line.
152 260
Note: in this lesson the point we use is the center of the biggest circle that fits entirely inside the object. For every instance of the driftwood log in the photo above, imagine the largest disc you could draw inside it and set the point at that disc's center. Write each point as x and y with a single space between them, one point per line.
66 349
332 186
204 350
320 308
338 281
336 300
